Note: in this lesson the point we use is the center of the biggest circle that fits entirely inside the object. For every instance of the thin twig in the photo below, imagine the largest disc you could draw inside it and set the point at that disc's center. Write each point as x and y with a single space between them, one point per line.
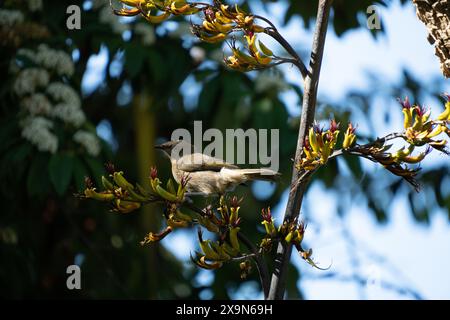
282 260
244 257
260 264
391 136
353 151
297 60
273 32
266 21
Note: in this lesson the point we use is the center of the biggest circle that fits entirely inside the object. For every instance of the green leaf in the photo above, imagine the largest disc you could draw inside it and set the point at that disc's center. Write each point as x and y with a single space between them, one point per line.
447 203
79 173
328 173
354 164
60 170
37 179
19 153
157 66
201 75
419 213
208 96
379 212
134 59
96 169
264 49
8 133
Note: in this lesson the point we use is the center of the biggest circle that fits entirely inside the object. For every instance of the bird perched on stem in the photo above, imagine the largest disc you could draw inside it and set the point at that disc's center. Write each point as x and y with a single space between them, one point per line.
208 175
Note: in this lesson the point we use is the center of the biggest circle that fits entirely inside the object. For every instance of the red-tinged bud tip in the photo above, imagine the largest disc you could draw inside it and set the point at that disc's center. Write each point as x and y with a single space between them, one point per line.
110 168
317 128
266 214
153 173
184 180
351 128
302 227
421 110
209 14
235 202
405 103
334 125
88 182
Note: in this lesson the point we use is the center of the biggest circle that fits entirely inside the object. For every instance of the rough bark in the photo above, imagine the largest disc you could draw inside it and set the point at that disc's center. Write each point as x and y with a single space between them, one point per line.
435 14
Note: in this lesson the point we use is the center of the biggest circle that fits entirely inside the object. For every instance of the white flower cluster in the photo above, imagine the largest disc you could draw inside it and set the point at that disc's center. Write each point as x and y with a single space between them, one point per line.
37 131
29 80
27 53
34 5
57 101
89 141
10 18
62 92
146 32
37 104
106 16
68 104
54 60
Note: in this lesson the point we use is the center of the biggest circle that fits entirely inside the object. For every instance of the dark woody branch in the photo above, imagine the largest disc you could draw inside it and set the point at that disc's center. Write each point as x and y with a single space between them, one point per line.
282 260
297 61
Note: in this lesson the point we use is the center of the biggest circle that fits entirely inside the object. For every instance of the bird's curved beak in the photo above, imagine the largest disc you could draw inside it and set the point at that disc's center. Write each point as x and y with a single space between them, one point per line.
158 146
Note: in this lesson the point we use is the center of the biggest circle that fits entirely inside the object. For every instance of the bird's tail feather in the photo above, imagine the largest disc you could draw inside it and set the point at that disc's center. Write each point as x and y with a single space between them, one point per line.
260 174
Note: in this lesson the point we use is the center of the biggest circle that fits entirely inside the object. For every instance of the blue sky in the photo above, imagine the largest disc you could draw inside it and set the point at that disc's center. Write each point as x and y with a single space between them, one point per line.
402 252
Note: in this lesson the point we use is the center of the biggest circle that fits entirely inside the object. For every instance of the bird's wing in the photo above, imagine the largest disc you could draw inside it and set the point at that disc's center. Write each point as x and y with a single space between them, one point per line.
201 162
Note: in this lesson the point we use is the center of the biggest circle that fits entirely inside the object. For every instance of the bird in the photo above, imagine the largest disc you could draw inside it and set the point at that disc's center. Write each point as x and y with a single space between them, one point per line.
208 175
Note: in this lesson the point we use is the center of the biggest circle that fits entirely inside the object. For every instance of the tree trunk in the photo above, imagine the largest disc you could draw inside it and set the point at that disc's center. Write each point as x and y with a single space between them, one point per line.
310 85
435 14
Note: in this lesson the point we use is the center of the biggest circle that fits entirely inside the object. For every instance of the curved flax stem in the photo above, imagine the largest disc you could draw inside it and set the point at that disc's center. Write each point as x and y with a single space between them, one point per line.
266 21
306 174
388 137
244 257
281 61
353 150
282 259
273 32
